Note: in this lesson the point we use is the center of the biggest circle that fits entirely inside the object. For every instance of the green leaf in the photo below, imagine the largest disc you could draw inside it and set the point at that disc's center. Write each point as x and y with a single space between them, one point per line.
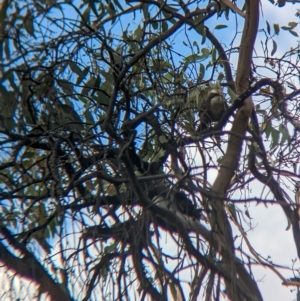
158 155
232 95
111 9
28 25
154 25
194 97
117 3
213 54
82 99
41 240
281 3
102 98
294 33
285 133
195 57
268 28
42 214
221 26
111 248
28 155
169 17
196 45
164 26
268 129
69 117
275 137
145 9
232 210
74 67
88 117
203 36
205 52
108 76
201 72
83 75
138 33
86 16
8 106
220 76
293 24
66 86
173 290
88 86
168 78
209 64
274 48
52 227
91 4
276 28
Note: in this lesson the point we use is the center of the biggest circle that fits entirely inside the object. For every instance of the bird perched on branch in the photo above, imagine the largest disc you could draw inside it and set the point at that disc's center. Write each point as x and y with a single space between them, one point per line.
212 109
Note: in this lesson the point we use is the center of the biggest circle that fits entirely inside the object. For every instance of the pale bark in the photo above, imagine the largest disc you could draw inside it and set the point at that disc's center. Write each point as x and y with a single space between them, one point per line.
221 226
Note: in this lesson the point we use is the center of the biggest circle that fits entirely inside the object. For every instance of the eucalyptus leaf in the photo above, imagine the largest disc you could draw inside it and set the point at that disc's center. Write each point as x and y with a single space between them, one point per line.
69 118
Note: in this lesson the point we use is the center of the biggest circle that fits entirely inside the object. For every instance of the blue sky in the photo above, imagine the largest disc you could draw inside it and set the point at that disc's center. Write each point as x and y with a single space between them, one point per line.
269 237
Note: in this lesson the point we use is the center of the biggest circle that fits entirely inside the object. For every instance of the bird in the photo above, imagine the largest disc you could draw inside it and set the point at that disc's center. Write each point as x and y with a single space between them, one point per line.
212 109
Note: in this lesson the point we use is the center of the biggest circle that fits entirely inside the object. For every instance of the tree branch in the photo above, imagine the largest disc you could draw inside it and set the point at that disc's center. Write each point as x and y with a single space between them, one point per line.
28 266
231 158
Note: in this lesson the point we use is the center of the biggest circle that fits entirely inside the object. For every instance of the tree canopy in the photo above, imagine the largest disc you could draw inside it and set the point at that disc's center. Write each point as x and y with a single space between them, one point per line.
109 187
